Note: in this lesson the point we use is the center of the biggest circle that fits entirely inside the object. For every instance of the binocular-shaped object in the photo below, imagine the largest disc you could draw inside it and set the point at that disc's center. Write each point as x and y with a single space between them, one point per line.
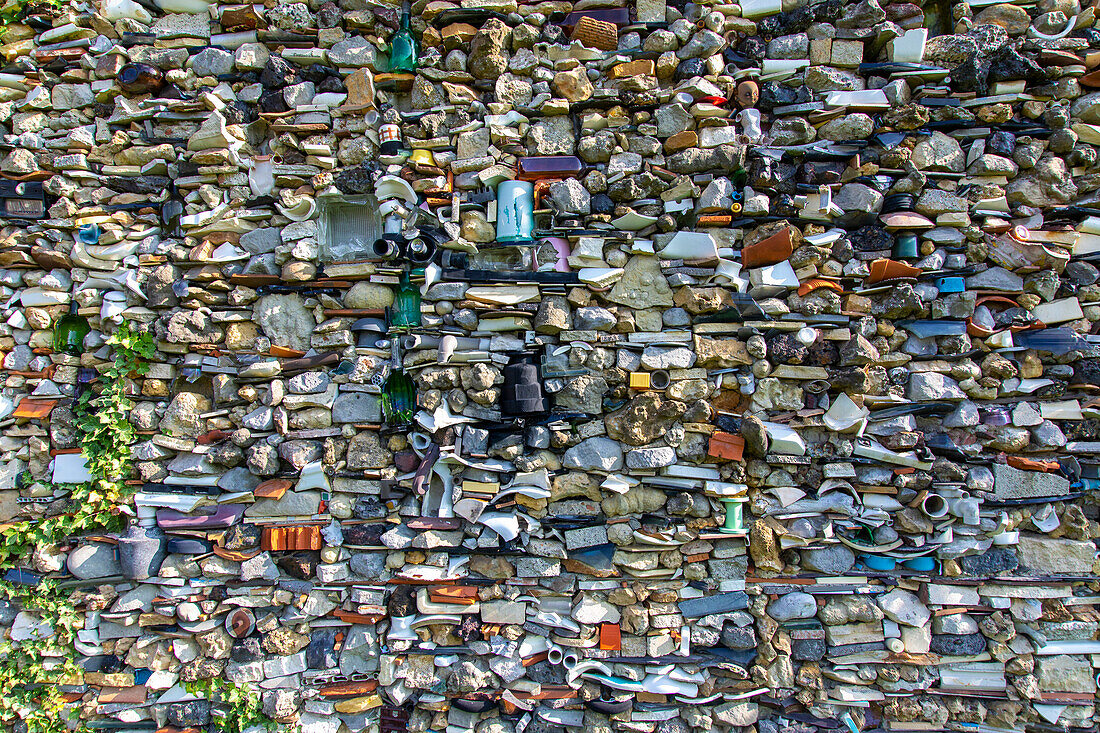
418 250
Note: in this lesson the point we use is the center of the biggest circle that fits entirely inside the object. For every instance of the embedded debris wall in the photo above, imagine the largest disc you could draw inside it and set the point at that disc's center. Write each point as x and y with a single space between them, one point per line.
807 432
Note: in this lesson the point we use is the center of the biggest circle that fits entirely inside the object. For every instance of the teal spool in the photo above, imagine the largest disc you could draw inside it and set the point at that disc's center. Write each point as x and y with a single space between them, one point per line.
735 521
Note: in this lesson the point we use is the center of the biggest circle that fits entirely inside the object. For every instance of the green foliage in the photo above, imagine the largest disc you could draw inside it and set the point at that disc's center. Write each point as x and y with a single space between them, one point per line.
106 435
32 670
235 707
103 420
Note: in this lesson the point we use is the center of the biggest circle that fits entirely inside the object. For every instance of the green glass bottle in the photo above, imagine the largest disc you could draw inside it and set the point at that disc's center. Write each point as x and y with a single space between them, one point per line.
398 399
404 53
69 332
405 311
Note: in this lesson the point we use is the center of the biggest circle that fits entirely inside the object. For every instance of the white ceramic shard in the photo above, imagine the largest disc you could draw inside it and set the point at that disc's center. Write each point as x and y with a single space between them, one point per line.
690 246
909 46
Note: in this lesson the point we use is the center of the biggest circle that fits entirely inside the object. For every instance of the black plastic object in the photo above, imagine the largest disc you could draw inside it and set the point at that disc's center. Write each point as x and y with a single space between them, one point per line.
610 705
523 393
22 200
898 202
421 250
189 546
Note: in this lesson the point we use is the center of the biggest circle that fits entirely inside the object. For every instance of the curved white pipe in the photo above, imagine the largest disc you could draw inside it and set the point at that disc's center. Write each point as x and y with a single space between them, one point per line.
572 675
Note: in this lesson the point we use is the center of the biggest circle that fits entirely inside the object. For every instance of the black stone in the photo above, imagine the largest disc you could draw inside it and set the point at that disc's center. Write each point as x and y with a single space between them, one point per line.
401 603
1008 65
300 565
189 714
139 184
331 84
774 95
808 650
365 534
354 180
552 33
329 15
992 561
242 537
469 630
321 651
238 113
278 73
957 645
369 507
602 204
247 650
752 47
316 73
689 69
828 11
871 239
971 75
272 101
1087 371
820 172
1002 142
786 349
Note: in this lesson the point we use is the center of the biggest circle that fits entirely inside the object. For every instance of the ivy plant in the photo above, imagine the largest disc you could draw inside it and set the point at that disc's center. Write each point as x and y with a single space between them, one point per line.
32 669
235 707
105 435
103 420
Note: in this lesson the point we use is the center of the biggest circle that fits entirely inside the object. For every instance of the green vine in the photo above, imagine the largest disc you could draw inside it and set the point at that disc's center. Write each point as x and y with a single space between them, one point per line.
103 421
32 670
106 435
235 707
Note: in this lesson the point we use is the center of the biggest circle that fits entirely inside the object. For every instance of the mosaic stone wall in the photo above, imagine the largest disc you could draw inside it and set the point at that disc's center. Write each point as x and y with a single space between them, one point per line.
636 366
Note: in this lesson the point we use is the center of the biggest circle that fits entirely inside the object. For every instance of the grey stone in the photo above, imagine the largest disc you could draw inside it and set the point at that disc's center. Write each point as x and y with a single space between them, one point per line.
212 62
357 407
831 560
93 560
791 606
602 454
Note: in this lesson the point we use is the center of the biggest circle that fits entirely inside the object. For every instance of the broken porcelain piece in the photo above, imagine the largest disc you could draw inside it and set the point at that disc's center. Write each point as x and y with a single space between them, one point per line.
438 498
785 440
313 477
908 47
401 629
391 187
750 120
690 246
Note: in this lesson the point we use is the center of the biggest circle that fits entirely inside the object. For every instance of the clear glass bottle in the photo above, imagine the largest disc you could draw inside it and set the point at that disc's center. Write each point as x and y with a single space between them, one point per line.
69 332
404 51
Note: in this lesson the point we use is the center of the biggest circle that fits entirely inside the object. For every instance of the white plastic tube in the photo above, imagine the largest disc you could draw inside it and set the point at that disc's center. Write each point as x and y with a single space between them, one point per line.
934 506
